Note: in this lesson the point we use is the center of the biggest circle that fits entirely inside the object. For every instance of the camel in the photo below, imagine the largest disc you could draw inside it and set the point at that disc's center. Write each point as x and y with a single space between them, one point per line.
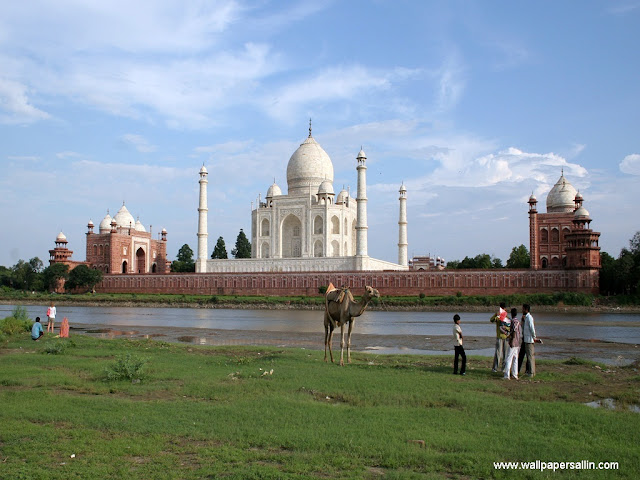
340 309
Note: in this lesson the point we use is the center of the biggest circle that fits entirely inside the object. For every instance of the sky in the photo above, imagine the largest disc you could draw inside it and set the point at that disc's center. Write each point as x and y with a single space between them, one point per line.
474 105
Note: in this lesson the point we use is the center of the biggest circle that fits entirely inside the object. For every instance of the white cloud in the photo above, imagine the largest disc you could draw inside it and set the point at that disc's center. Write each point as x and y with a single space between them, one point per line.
631 164
138 142
24 158
15 106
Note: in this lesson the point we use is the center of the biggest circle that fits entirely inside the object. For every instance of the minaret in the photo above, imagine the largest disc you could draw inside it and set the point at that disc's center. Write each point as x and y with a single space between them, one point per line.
534 253
402 227
201 261
361 200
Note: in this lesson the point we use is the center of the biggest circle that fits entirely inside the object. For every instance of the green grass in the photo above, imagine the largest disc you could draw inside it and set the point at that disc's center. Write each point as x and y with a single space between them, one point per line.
205 412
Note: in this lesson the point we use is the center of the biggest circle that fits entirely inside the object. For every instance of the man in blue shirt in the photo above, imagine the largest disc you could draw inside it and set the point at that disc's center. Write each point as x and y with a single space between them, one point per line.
36 330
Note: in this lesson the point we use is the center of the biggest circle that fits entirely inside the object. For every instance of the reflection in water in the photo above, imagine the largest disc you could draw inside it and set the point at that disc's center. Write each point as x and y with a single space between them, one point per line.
622 328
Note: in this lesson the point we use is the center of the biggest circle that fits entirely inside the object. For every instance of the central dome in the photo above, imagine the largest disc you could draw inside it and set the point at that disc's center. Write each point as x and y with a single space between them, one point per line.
561 198
308 167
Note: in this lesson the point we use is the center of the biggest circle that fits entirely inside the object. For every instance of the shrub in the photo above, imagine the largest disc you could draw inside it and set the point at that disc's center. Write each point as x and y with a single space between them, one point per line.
322 289
55 347
128 367
12 325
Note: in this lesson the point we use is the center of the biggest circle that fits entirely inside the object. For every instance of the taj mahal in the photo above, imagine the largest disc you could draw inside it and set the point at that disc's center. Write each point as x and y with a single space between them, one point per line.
308 229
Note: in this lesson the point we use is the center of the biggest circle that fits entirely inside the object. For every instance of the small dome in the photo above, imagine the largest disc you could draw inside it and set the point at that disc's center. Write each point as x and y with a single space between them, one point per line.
361 154
579 197
308 167
581 213
561 198
61 238
123 218
203 169
105 224
164 230
403 189
90 224
139 227
326 188
274 191
342 196
532 198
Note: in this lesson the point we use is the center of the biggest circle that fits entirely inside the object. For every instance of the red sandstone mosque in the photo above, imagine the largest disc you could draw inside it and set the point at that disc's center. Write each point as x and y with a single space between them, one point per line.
122 245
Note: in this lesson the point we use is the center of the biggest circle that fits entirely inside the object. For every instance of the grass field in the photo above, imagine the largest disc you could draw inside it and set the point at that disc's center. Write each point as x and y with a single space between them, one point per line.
205 412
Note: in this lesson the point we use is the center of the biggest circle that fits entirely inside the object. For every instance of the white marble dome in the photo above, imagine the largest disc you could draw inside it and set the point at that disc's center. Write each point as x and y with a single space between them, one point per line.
326 188
61 238
561 198
139 227
123 218
274 190
342 196
581 213
105 224
308 167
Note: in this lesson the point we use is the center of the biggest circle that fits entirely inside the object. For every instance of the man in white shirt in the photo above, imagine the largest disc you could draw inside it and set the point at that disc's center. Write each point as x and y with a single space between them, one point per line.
529 338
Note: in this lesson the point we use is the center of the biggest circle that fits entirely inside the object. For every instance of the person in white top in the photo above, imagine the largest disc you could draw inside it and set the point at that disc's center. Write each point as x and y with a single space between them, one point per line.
528 339
51 317
459 349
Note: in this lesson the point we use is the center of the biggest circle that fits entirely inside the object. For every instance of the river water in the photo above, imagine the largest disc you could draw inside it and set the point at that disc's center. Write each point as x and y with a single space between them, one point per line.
607 327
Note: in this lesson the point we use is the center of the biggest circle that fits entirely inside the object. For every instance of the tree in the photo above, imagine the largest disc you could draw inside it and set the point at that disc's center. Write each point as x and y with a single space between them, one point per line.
26 275
83 277
480 261
53 274
243 247
519 258
221 250
184 261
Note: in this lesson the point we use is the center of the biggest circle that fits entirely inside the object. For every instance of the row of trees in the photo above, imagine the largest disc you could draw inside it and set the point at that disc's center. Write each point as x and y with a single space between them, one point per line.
33 276
184 261
621 276
519 258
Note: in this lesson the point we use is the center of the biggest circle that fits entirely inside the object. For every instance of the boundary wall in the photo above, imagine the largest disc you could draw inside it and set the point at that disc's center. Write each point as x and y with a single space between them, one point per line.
431 283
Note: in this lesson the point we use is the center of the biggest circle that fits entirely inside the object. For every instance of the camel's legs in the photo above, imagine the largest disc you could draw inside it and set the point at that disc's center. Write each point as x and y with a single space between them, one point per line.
342 345
349 341
326 337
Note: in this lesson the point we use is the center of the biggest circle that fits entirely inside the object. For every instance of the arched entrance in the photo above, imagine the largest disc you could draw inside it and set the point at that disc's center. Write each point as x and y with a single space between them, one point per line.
124 267
291 237
140 261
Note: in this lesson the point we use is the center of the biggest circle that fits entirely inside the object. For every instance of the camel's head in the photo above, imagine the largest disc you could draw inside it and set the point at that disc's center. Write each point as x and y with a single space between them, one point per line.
372 292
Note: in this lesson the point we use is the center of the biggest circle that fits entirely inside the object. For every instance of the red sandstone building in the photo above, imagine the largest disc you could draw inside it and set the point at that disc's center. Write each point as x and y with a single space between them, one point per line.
121 245
561 238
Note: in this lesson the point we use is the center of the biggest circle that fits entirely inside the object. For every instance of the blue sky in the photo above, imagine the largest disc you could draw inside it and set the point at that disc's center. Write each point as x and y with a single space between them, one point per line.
474 105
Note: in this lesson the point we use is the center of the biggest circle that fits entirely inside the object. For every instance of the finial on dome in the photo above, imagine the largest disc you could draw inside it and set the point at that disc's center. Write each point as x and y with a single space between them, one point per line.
309 127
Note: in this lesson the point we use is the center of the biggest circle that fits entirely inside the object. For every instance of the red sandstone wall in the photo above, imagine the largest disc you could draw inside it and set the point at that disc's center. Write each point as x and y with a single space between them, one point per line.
447 282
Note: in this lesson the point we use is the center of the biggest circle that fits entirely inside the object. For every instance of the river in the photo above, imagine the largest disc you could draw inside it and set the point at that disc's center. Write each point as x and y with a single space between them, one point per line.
606 327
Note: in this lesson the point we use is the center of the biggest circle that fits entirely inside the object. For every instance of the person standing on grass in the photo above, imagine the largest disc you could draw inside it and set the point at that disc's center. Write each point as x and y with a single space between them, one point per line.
500 319
528 339
36 330
51 317
514 340
459 349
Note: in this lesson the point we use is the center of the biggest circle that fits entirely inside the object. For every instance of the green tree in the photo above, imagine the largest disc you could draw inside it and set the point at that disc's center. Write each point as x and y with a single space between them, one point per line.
243 246
482 261
184 261
519 258
221 250
83 277
27 275
53 273
607 274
